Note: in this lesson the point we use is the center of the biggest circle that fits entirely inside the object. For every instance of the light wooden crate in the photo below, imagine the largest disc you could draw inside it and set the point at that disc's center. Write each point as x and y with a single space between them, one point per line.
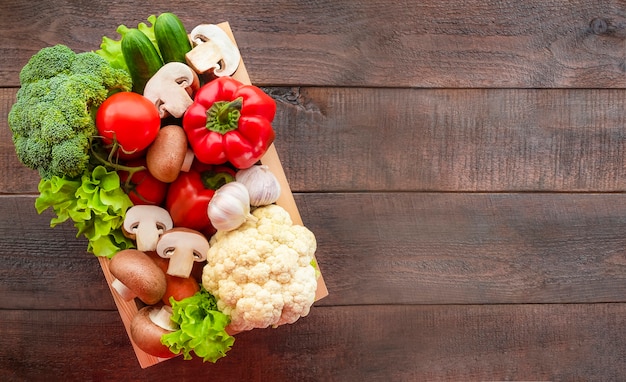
128 309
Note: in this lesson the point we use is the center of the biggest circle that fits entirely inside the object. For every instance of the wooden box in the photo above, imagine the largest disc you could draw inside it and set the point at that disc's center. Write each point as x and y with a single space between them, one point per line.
128 309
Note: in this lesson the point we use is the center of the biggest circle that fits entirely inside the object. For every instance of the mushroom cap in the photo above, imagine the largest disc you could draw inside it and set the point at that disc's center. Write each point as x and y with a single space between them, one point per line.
145 223
213 50
147 335
171 88
181 236
139 273
140 212
167 153
183 247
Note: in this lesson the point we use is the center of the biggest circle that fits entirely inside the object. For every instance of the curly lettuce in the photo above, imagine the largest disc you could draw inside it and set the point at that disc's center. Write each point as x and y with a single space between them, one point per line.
201 328
94 202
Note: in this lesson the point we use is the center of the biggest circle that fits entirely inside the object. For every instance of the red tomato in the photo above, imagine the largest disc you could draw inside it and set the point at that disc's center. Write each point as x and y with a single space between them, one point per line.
143 187
129 119
177 287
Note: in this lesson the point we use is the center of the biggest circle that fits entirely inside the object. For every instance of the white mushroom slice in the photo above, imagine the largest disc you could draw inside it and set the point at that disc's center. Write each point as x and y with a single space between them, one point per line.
182 246
145 224
213 51
171 88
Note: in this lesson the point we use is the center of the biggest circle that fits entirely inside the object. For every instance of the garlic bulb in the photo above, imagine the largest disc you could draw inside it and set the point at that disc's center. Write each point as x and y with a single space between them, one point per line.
229 207
262 184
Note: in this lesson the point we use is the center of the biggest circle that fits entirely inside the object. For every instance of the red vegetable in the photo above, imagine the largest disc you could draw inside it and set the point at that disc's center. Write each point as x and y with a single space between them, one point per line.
189 195
130 120
230 122
177 287
143 188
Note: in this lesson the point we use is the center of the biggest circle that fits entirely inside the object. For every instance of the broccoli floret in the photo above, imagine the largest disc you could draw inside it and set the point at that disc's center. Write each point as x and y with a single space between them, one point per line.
52 119
47 63
90 63
69 155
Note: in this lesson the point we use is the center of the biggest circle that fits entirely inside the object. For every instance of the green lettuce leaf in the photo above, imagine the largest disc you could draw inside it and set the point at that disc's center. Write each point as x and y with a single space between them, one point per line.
95 203
201 328
111 50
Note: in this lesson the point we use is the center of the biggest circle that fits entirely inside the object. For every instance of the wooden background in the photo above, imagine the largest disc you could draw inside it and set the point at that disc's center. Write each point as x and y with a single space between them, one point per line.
462 164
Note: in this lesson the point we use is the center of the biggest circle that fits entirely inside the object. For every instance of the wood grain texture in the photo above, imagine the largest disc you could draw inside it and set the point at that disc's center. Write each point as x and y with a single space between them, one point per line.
446 44
372 343
404 248
452 140
460 162
489 140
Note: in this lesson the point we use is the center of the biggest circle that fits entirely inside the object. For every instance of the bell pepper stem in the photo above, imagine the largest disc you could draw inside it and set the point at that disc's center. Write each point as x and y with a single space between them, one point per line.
223 116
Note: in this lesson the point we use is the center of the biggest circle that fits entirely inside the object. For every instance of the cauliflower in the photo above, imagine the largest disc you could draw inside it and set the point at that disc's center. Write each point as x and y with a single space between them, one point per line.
261 272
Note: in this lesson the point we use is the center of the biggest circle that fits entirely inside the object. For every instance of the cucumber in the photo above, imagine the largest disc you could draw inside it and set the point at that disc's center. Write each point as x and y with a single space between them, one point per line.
141 56
171 38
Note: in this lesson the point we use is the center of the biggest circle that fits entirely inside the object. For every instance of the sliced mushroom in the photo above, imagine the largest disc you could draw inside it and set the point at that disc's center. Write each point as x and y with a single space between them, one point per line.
182 246
213 51
137 275
171 88
145 223
148 326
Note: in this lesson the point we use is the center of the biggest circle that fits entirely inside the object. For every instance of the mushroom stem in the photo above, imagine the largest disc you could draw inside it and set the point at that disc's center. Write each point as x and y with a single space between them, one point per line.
126 293
162 318
147 236
189 157
205 57
181 262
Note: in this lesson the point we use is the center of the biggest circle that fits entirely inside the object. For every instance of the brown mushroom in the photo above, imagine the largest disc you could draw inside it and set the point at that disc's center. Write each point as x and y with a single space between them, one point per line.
171 88
148 326
137 275
182 246
169 154
213 51
145 223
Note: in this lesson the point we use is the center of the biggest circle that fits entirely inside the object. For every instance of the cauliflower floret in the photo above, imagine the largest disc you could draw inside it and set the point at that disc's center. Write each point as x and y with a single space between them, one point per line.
261 273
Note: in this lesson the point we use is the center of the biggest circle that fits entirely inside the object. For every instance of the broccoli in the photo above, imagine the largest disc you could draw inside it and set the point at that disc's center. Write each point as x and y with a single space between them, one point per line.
52 120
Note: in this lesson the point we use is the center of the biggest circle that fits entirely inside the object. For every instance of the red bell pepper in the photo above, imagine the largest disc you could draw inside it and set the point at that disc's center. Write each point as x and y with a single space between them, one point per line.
189 195
230 122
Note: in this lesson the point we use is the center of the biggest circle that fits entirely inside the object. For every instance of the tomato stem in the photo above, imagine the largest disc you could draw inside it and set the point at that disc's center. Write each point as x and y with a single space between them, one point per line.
108 161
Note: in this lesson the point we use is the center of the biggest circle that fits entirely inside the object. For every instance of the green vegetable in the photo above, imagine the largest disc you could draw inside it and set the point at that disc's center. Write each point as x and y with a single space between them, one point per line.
201 328
94 202
111 50
137 52
141 56
52 119
171 38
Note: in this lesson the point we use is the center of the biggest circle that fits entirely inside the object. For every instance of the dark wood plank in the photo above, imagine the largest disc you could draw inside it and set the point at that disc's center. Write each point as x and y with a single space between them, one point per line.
452 140
381 248
416 136
373 343
446 248
430 140
474 43
43 267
